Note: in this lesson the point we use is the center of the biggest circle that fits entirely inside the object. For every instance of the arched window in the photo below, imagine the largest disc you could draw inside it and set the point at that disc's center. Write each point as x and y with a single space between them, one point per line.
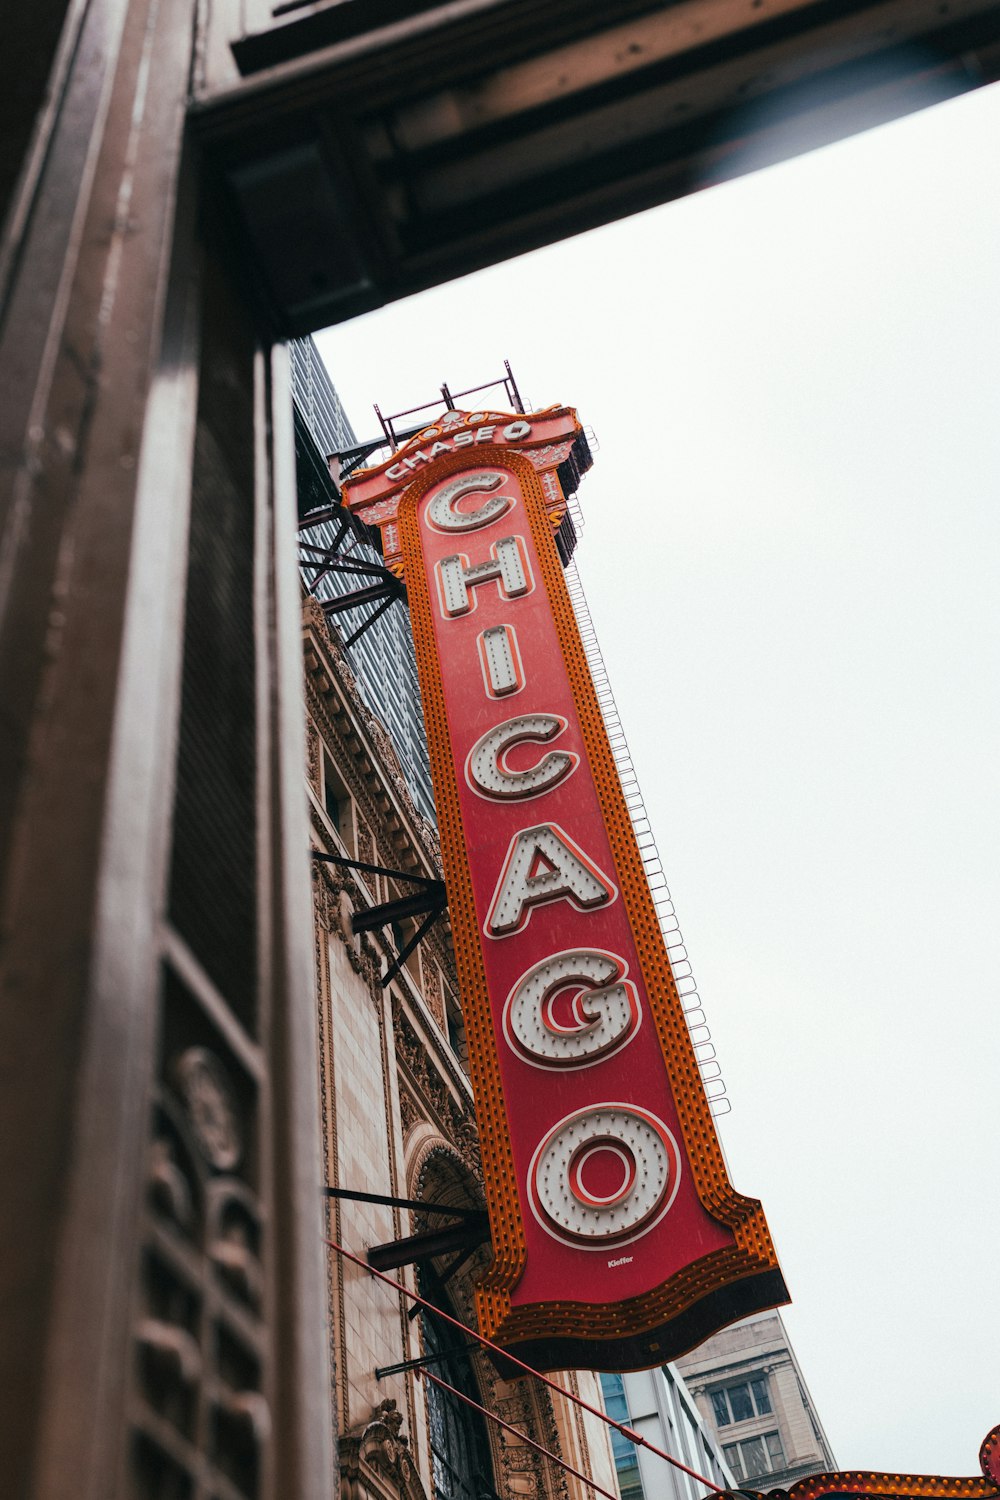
460 1449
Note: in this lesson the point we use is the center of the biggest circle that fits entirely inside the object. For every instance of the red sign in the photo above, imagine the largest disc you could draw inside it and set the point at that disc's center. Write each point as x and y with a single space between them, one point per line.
618 1239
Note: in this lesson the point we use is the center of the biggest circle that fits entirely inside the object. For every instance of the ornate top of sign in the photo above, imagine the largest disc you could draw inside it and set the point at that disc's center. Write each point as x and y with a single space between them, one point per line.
548 438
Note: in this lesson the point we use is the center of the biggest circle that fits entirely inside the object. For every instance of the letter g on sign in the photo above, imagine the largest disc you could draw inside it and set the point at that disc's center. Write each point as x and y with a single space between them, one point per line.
598 1018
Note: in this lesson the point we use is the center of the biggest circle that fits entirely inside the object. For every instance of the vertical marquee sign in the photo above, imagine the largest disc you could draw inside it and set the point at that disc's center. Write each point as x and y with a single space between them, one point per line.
619 1241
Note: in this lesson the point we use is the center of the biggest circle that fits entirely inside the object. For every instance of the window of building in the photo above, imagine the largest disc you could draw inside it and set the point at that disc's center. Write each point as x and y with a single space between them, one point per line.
336 800
460 1447
626 1454
738 1403
754 1457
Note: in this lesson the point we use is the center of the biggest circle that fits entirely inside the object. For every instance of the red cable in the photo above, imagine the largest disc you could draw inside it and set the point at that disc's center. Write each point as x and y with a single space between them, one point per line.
523 1436
627 1432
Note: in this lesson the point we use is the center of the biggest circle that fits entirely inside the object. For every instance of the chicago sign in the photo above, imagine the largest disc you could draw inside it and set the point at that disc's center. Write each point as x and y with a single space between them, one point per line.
618 1239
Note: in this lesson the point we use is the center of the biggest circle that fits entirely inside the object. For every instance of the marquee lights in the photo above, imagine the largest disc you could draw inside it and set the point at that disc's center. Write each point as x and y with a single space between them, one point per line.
457 578
500 659
596 1134
543 864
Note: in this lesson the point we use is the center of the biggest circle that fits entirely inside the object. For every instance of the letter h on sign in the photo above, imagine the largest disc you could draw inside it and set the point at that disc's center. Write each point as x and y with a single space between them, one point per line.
595 1130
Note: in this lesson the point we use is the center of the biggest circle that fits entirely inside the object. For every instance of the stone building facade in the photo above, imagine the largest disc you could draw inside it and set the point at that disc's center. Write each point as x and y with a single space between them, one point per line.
752 1395
398 1121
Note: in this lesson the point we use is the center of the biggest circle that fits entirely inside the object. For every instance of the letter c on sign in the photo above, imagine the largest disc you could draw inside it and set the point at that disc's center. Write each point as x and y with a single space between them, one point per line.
490 775
444 517
599 1018
604 1175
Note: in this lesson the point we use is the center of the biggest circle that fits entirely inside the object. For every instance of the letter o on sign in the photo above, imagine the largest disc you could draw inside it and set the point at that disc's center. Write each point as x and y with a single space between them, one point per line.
604 1175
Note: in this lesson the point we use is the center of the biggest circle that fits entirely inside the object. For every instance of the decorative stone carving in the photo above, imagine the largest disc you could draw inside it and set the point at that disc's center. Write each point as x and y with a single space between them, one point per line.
376 1460
334 895
313 757
312 613
329 678
201 1353
233 1236
169 1187
454 1118
408 1112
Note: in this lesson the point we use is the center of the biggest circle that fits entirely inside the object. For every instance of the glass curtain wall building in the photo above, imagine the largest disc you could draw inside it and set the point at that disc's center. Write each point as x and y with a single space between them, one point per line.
382 657
658 1405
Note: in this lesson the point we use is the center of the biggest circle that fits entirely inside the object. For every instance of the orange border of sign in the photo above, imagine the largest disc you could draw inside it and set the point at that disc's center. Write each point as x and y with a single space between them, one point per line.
867 1485
753 1251
892 1486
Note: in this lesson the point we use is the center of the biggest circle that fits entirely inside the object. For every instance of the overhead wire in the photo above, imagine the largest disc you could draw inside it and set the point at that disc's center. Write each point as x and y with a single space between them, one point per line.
492 1416
505 1354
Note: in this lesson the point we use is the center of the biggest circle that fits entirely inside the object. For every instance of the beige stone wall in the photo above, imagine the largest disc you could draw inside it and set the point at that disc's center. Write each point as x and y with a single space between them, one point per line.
760 1347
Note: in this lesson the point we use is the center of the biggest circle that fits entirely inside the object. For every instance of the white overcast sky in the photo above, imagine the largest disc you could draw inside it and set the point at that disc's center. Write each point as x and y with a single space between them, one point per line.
791 555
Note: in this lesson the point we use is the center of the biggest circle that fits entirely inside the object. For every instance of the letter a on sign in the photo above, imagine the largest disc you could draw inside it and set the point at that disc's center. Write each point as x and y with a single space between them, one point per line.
618 1240
543 865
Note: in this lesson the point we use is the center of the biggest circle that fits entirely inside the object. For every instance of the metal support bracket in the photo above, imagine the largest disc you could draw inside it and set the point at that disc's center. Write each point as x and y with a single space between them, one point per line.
391 1200
431 901
472 1230
388 590
416 1247
384 589
383 1371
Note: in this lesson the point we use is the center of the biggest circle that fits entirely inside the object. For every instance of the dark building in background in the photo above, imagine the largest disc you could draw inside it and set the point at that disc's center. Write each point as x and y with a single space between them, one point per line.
382 656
